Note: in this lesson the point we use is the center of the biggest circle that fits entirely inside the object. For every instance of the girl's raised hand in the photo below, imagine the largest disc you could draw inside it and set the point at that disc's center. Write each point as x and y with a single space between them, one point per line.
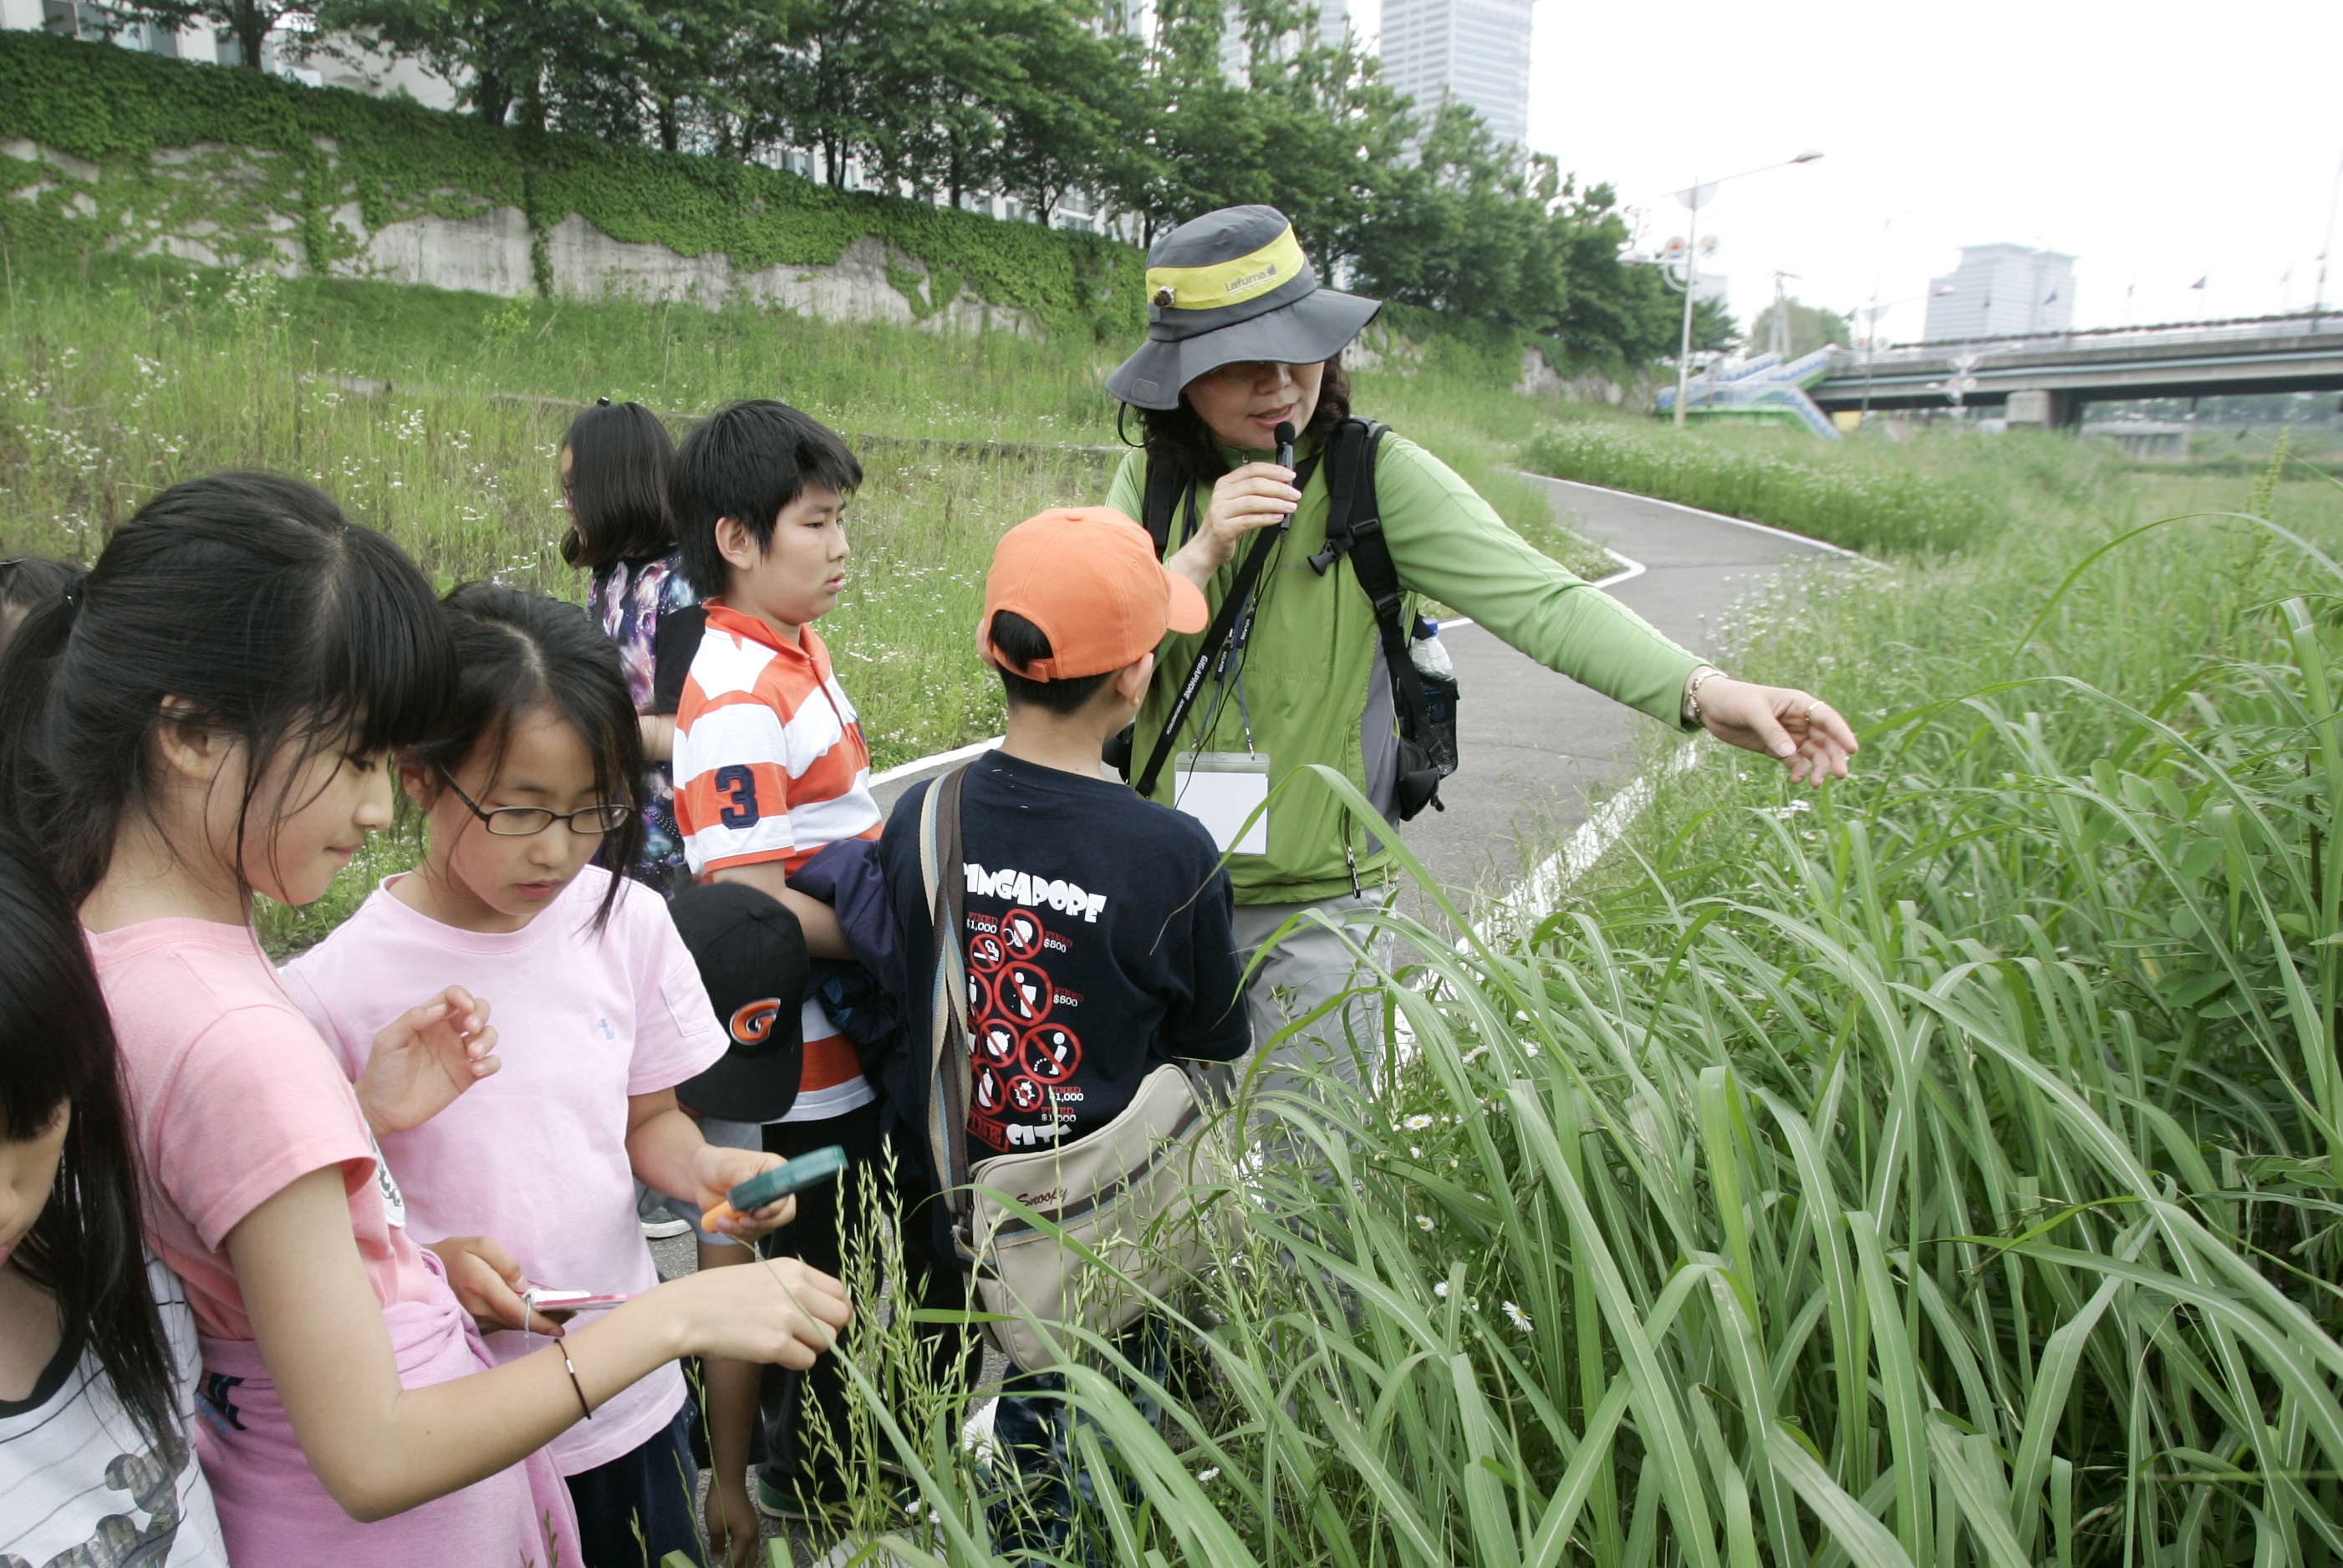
425 1059
776 1310
717 1171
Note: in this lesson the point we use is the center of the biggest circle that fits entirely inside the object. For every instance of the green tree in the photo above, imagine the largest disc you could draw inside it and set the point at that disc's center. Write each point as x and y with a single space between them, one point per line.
1065 101
1811 327
248 21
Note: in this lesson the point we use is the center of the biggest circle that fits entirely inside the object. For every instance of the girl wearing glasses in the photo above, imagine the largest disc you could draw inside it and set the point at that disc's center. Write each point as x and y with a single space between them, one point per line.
600 1012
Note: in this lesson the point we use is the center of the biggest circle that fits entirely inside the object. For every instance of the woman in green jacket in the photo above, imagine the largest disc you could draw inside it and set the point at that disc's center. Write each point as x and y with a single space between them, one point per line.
1239 341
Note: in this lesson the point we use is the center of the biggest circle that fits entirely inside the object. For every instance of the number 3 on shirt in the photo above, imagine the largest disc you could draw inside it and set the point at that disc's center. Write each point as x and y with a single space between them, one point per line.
737 785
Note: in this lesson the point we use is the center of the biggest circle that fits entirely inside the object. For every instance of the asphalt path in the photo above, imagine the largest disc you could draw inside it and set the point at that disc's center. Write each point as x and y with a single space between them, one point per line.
1534 744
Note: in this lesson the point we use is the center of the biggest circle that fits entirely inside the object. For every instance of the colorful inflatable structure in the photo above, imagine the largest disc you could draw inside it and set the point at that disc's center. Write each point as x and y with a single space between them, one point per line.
1759 391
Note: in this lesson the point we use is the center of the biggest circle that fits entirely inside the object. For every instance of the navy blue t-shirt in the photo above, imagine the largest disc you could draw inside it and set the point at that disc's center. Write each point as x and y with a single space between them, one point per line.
1098 947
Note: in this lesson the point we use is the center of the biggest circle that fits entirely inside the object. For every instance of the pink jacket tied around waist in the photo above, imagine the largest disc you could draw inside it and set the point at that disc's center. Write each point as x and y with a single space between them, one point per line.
273 1508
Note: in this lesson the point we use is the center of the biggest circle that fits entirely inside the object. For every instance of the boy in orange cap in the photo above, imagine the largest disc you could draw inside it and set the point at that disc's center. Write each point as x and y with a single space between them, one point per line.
1098 923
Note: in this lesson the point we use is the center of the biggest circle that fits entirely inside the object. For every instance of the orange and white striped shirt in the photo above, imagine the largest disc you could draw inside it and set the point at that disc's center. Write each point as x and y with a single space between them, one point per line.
771 766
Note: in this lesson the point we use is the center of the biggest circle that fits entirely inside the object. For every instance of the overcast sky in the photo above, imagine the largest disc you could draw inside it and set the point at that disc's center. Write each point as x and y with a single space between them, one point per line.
2157 142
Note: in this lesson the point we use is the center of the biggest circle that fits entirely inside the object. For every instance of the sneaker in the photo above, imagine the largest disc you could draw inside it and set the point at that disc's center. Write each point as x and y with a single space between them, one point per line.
792 1506
658 1224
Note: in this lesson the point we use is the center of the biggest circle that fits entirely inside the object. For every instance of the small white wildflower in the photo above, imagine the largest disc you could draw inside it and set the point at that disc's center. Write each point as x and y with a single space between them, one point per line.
1417 1123
1413 1152
1209 1474
1441 1290
1518 1318
1424 1222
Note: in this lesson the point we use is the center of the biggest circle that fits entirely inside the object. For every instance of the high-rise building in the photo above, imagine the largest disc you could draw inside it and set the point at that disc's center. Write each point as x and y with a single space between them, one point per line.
2002 291
1472 52
1333 25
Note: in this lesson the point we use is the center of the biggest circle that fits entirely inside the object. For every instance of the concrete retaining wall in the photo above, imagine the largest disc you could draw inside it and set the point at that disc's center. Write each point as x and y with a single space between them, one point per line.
491 252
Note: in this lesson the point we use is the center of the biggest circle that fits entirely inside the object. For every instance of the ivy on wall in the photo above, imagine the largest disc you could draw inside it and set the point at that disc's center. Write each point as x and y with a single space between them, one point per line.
258 169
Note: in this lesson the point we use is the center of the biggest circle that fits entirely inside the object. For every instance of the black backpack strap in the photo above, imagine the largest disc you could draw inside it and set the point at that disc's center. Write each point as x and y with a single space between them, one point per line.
1161 500
1354 527
1350 475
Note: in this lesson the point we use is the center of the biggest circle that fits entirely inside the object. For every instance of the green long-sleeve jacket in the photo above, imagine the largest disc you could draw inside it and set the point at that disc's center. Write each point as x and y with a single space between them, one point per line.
1312 685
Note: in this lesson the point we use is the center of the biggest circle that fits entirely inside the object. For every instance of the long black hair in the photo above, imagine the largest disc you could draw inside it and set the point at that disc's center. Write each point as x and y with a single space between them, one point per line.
250 598
620 459
57 1050
517 652
26 584
1178 438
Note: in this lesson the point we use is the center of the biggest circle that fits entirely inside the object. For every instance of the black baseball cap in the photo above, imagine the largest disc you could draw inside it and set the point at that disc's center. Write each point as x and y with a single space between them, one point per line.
751 954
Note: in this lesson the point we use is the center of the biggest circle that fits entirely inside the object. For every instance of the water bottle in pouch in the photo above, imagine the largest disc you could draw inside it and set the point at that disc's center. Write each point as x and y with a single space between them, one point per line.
1437 672
1428 653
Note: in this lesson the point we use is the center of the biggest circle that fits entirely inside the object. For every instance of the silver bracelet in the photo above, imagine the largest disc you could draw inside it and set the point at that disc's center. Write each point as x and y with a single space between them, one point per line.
1702 673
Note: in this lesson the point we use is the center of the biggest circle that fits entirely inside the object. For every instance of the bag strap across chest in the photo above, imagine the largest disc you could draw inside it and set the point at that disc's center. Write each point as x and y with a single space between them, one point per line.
1354 527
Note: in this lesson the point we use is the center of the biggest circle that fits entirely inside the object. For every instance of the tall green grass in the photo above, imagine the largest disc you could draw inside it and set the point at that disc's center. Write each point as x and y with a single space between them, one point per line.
1938 496
1941 1170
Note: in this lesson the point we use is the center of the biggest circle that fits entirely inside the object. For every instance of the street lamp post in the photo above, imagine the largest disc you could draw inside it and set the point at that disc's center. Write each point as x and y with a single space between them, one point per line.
2318 295
1696 196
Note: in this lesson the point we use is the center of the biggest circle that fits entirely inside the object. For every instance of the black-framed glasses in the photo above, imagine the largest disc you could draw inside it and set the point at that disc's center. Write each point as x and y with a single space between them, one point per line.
525 821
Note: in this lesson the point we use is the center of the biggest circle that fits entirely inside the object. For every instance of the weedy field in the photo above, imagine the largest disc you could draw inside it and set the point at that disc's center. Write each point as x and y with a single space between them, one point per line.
1941 1169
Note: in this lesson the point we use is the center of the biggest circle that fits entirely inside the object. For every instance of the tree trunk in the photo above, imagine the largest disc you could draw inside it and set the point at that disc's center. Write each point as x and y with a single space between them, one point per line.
491 98
250 28
668 129
954 184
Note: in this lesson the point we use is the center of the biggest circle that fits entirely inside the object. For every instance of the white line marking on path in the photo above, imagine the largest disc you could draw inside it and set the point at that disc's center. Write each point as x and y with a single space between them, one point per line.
1543 887
919 764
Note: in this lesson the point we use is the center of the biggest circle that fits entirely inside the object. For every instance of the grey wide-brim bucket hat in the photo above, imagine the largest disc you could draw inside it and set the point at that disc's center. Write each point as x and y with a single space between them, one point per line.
1230 285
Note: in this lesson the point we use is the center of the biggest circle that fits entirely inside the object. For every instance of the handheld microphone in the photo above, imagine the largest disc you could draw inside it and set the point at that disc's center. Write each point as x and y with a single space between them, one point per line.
1283 437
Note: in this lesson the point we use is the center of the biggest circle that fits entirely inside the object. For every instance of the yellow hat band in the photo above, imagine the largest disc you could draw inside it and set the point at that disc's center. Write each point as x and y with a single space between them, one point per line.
1273 266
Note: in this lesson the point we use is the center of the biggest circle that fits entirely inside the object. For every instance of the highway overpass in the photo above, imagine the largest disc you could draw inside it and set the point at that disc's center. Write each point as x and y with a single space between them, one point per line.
2045 380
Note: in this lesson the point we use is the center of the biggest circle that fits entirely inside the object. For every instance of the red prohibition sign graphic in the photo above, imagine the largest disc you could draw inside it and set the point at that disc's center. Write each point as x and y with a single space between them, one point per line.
985 952
1026 1095
1051 1053
979 995
1022 933
996 1043
1023 991
988 1091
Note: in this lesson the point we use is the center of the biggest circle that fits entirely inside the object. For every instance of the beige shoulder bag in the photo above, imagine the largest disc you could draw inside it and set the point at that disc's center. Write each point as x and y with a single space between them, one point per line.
1139 1196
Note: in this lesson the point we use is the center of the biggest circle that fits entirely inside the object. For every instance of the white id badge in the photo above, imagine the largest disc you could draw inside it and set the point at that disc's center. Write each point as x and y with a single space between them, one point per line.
1221 790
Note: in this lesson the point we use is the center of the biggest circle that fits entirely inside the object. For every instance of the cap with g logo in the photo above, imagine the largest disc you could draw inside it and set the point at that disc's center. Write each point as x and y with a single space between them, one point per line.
1232 285
751 955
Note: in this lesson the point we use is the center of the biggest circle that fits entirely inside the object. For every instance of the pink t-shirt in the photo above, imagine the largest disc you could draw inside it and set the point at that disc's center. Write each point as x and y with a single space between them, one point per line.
232 1098
535 1156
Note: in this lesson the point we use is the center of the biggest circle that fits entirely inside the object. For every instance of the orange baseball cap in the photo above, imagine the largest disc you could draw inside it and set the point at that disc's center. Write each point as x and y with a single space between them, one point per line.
1088 577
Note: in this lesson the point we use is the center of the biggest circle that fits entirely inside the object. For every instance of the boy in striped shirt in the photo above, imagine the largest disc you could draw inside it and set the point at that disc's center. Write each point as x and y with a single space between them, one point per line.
770 767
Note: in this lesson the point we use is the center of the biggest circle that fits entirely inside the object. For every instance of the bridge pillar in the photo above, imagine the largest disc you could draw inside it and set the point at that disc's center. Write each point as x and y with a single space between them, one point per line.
2029 410
2042 409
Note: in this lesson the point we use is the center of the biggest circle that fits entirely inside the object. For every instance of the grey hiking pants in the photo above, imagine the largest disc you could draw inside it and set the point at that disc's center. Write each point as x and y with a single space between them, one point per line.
1310 966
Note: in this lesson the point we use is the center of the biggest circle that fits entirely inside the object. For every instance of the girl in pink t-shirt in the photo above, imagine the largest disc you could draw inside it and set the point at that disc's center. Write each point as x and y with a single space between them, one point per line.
207 715
601 1014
